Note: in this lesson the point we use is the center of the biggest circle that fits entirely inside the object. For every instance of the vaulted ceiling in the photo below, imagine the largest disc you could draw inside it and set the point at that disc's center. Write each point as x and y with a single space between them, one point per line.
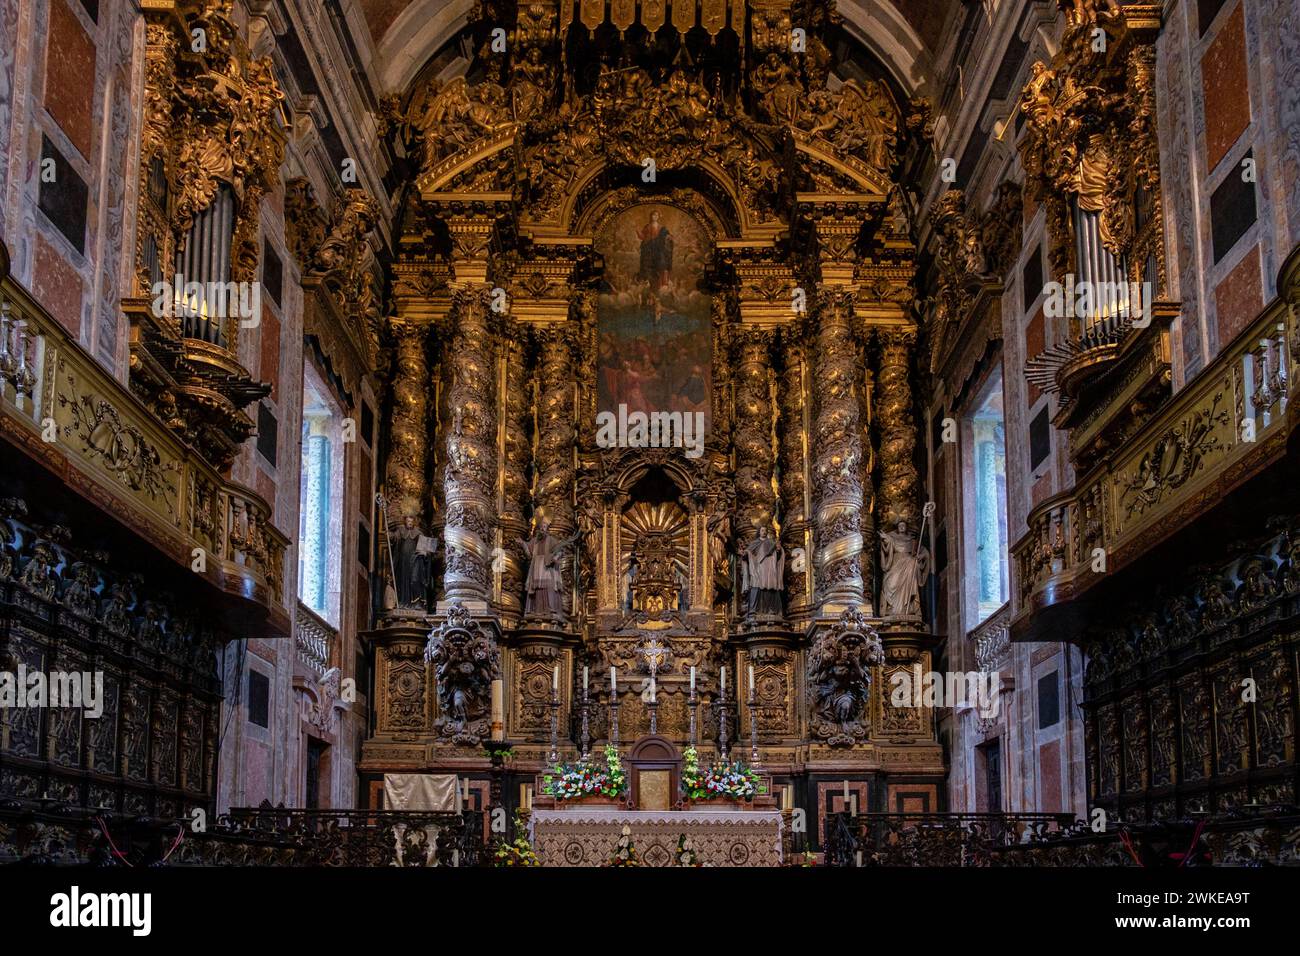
904 34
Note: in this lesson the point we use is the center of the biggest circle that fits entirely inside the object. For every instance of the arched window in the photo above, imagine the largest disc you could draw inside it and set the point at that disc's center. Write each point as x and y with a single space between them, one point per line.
320 509
986 468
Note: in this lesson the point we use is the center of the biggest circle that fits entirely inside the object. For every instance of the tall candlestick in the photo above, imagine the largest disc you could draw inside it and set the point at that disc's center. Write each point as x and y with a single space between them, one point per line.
498 710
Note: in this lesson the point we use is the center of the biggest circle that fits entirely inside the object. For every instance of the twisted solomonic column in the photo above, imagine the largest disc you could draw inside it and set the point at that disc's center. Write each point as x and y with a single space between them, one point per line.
515 410
553 493
837 455
409 455
794 485
469 474
899 480
752 433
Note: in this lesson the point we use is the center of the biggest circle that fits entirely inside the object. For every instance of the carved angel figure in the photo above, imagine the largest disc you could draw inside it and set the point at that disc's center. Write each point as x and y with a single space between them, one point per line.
839 672
466 661
458 115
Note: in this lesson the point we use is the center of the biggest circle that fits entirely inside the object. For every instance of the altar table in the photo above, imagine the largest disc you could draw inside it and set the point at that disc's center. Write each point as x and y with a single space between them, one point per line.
585 836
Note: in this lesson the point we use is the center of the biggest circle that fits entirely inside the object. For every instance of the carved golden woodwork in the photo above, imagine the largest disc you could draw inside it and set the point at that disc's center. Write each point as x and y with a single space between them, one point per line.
209 120
469 476
837 456
793 188
1158 478
111 449
794 456
407 424
1090 142
513 495
894 411
553 485
753 436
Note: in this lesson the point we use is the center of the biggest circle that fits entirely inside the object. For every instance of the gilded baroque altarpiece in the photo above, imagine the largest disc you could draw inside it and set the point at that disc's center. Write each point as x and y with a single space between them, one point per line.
608 217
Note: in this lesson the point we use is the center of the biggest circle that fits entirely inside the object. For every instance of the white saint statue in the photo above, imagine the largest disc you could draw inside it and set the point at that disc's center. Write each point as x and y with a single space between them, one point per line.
905 565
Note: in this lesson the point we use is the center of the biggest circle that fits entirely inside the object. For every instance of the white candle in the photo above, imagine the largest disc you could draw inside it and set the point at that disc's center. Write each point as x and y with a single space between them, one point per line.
692 678
498 711
724 680
585 673
652 688
846 793
555 678
613 679
751 680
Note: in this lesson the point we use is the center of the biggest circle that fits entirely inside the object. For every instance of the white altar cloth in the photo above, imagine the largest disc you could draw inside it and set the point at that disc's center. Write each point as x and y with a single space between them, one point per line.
585 836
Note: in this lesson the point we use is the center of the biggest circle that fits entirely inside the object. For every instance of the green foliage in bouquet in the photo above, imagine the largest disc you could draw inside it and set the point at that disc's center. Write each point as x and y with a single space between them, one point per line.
517 852
583 779
723 779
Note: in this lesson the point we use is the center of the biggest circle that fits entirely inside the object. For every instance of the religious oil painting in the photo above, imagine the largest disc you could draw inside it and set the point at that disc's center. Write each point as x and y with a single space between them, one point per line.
655 340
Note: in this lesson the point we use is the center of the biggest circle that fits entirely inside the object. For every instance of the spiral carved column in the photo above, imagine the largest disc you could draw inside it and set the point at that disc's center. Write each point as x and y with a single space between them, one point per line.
837 456
867 472
469 476
512 523
582 312
899 480
720 404
794 484
409 455
752 436
553 494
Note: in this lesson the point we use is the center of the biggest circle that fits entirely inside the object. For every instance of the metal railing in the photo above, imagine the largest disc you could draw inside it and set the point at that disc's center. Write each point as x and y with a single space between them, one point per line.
1244 836
55 836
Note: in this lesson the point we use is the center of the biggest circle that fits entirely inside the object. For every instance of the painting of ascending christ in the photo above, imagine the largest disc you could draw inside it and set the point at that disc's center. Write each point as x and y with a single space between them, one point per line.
655 340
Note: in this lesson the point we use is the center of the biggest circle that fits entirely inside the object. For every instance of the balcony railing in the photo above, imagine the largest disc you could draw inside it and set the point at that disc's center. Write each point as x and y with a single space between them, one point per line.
1228 424
67 412
316 641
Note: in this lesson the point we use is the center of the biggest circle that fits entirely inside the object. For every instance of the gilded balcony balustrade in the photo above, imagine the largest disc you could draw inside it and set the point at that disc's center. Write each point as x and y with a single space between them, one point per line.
61 407
1225 426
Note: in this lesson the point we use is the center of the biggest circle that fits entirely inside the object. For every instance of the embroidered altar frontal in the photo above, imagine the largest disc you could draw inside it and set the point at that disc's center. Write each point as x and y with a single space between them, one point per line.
587 837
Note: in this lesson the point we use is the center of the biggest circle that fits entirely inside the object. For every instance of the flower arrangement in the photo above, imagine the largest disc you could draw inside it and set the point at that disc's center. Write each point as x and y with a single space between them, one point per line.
686 852
625 850
583 779
517 852
723 779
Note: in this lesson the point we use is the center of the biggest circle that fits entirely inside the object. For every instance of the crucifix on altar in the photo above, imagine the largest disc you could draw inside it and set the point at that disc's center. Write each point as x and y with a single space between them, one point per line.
655 652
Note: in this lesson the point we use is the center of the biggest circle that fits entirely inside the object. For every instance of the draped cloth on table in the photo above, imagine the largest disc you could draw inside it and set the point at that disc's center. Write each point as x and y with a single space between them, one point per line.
422 791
